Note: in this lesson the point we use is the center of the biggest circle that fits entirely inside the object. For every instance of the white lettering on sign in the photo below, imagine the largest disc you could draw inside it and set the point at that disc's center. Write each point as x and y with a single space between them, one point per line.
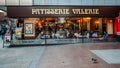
65 11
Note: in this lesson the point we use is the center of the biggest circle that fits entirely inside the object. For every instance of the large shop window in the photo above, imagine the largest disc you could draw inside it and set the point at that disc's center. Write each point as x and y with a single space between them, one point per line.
63 28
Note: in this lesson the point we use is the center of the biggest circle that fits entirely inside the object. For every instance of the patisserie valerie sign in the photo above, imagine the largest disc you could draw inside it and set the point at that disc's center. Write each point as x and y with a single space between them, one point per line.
65 11
62 11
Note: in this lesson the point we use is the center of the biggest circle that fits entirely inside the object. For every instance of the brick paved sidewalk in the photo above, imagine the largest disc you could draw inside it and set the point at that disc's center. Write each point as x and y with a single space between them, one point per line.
75 56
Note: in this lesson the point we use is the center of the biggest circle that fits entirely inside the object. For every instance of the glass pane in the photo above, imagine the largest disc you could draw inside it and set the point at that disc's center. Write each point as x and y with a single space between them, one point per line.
2 2
70 30
26 2
36 2
12 2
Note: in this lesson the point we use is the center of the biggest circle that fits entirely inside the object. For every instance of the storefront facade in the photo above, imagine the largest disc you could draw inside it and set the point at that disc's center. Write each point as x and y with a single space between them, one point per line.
56 22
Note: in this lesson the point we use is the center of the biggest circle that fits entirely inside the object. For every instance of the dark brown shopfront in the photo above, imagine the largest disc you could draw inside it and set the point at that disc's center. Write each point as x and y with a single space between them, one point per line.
51 20
62 11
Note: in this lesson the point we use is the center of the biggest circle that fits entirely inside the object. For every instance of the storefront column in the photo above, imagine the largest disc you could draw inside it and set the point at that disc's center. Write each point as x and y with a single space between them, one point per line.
1 16
88 25
117 28
110 27
117 25
100 25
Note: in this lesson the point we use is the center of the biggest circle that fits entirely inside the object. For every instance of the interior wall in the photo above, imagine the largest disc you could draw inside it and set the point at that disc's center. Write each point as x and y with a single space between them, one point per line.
100 25
110 27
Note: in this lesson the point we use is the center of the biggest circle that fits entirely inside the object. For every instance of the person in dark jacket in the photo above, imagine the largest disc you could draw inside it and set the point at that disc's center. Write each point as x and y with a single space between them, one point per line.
106 35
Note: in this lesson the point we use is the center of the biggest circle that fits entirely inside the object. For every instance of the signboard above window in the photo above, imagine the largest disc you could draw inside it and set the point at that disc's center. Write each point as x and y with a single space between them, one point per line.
63 11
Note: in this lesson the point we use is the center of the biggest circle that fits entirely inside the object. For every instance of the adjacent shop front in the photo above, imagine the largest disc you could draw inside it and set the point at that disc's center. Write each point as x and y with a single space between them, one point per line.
63 24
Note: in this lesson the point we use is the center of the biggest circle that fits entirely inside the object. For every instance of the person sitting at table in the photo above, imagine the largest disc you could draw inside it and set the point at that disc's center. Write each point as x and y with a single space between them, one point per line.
53 34
76 35
57 35
95 35
88 35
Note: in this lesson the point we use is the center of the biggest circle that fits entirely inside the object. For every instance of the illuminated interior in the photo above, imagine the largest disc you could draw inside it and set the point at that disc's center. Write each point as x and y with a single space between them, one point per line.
79 25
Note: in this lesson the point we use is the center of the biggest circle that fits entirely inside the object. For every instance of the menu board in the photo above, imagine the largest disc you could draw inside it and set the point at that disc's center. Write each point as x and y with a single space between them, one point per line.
18 32
7 39
29 28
